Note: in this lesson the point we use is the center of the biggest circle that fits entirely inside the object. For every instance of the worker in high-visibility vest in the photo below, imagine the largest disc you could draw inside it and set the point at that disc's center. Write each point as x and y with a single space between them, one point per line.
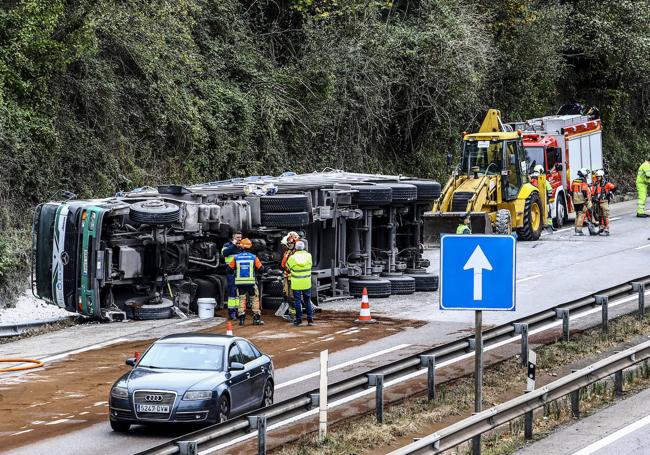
581 198
300 264
602 193
642 182
465 225
537 171
289 242
246 266
229 250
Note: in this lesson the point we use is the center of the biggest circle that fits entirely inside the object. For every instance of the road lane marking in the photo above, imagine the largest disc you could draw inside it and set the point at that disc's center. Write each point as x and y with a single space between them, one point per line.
87 348
642 247
529 278
341 365
189 321
415 374
607 440
573 227
21 432
56 422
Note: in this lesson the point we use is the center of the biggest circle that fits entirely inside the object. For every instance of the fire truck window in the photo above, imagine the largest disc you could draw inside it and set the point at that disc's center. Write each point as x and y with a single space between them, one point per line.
551 158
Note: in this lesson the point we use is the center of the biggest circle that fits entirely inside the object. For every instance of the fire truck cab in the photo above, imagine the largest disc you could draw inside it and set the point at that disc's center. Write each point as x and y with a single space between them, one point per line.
562 144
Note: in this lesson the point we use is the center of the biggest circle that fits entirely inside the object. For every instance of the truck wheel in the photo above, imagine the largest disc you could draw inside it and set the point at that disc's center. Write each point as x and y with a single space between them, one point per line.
425 282
151 312
503 224
274 288
532 226
287 220
271 302
428 191
285 203
154 211
403 192
372 195
561 214
401 285
375 288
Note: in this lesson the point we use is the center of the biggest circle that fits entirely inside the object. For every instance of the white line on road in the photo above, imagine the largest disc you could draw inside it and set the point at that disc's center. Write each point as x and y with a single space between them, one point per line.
84 349
22 432
573 227
415 374
529 278
341 365
642 247
604 442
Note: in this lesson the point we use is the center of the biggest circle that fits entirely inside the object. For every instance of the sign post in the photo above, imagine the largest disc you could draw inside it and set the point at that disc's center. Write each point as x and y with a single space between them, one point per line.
477 273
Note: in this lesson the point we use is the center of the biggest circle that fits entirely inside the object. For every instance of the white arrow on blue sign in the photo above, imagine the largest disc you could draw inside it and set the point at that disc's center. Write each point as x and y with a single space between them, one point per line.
477 272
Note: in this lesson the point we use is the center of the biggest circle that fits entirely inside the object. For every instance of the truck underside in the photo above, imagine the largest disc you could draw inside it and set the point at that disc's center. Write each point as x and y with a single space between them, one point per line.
148 250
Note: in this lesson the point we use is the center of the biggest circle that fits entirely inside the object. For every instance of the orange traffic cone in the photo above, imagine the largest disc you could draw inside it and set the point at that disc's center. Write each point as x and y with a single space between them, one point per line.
229 328
364 315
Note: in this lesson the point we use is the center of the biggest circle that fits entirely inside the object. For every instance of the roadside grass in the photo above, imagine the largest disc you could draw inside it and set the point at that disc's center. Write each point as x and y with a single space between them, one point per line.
416 416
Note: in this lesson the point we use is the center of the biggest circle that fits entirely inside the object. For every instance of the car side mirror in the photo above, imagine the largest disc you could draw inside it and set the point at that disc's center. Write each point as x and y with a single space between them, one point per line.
236 366
130 362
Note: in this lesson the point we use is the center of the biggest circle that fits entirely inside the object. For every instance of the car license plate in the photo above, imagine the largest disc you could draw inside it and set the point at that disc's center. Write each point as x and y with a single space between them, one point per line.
153 408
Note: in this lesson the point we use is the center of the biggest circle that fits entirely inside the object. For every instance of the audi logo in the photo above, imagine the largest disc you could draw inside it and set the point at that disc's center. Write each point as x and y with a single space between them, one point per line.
153 398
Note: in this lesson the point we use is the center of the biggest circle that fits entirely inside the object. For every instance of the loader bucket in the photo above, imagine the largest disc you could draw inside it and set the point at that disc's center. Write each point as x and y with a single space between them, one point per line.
437 223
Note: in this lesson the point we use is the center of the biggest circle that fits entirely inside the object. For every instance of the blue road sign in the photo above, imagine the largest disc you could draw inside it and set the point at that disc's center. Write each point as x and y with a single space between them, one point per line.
477 272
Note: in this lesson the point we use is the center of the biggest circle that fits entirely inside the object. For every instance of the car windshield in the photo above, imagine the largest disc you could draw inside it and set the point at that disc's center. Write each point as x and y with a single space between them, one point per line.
184 357
486 155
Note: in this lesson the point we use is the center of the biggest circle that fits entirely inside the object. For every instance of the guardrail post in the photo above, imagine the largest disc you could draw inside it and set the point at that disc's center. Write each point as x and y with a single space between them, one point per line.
187 447
429 361
259 423
322 412
528 423
575 402
522 329
639 287
618 383
603 301
378 381
564 314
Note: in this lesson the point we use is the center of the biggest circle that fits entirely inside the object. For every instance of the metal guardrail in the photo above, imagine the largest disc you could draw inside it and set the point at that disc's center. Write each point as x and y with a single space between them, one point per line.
501 414
11 330
295 405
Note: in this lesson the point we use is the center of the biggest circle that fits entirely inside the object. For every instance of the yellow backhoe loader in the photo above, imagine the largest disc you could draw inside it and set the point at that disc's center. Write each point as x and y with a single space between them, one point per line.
492 186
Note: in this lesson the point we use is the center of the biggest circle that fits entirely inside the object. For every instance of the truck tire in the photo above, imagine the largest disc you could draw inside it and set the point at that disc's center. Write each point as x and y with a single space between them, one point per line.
286 220
154 211
401 285
428 191
375 288
372 195
503 223
561 214
270 302
532 227
161 310
285 203
274 288
425 282
403 192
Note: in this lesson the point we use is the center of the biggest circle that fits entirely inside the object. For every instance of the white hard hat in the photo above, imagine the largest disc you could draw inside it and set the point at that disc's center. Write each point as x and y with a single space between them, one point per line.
599 173
300 245
539 169
583 172
284 240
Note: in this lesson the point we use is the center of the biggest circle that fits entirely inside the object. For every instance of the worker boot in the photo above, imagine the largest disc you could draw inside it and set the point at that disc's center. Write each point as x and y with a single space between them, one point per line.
232 314
642 215
242 319
579 232
257 319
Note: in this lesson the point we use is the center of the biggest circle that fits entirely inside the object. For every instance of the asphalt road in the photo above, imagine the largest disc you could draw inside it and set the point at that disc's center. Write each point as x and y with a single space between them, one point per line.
558 268
623 428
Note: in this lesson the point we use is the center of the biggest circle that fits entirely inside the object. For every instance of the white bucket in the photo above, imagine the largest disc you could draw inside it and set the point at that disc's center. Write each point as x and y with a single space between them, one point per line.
206 307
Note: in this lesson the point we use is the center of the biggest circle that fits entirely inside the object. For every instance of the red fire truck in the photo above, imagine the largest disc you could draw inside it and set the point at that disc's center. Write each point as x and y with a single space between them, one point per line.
563 144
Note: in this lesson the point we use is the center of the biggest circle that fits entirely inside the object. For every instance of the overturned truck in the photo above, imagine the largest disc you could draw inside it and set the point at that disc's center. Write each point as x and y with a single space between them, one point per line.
152 251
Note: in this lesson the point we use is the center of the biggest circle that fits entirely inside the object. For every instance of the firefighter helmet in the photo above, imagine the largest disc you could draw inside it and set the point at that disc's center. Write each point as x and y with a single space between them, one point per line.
539 169
599 173
245 243
583 172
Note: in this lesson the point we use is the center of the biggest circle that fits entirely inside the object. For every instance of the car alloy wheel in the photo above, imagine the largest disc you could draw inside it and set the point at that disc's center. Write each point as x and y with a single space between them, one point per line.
224 409
268 395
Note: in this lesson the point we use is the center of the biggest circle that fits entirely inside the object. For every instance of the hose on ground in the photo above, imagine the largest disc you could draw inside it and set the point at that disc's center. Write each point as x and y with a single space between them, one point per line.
32 363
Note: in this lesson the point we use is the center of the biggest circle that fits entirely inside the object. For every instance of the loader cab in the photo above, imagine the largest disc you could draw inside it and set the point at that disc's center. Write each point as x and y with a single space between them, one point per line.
502 155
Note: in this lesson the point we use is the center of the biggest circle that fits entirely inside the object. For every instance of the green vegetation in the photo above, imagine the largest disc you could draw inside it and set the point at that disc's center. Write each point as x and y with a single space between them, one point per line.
97 97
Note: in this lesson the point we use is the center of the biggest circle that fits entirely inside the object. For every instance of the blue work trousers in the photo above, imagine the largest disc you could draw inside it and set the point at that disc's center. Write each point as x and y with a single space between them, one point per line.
297 303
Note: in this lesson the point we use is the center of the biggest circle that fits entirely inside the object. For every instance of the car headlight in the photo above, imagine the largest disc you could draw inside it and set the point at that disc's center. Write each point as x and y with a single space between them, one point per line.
120 392
193 395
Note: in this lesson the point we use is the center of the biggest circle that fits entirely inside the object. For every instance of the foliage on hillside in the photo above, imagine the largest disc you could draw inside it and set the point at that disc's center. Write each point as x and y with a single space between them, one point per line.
97 97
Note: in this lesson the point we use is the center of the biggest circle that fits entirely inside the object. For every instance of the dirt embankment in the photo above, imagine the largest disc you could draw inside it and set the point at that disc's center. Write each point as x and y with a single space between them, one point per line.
73 393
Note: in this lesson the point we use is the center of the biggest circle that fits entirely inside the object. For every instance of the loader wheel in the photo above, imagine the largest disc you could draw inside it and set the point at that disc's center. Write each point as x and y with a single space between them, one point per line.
532 226
288 220
503 224
285 203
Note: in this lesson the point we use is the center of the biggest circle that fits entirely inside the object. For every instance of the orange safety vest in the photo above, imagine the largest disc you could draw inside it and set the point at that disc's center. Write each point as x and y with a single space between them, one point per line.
602 190
580 191
285 257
